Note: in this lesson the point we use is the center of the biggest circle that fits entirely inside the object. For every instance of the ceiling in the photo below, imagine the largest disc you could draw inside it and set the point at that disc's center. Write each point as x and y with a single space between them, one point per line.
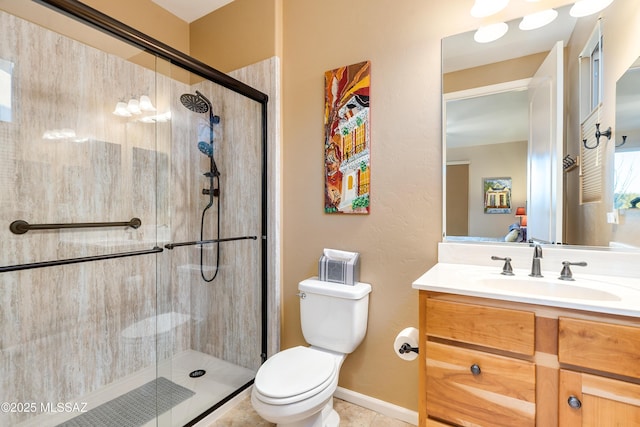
503 117
461 51
190 10
489 119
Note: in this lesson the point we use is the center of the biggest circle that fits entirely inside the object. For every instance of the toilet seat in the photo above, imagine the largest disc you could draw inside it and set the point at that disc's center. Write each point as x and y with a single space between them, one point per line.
294 374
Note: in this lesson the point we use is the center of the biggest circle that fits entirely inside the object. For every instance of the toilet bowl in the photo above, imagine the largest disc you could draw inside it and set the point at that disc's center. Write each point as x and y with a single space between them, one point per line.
294 388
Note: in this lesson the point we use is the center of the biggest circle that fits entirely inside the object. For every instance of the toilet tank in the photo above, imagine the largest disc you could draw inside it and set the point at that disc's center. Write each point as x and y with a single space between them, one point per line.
334 316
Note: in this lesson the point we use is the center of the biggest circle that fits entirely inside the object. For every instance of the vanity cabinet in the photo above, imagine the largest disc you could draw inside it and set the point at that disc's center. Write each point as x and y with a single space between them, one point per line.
493 363
601 386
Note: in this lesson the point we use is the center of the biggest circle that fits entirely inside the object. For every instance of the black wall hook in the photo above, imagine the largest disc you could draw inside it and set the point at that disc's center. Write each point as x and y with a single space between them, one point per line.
624 139
584 142
606 133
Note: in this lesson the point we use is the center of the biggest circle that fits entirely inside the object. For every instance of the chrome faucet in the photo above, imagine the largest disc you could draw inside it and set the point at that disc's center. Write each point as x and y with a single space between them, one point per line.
535 265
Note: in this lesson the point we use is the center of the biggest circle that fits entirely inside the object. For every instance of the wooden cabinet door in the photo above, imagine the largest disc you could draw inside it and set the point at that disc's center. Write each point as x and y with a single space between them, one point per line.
592 401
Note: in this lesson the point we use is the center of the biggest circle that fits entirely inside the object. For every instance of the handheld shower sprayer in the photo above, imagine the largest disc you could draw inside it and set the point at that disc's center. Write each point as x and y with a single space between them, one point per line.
199 103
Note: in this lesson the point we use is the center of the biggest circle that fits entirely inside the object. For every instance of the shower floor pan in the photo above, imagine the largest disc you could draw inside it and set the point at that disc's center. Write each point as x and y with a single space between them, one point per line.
221 379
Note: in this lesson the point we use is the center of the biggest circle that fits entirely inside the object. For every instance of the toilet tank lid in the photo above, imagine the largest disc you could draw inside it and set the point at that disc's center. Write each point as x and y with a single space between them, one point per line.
315 286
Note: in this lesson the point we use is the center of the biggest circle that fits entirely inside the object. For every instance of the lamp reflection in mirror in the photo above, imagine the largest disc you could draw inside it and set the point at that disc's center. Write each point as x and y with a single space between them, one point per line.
521 213
121 110
483 8
538 19
588 7
145 104
134 107
491 32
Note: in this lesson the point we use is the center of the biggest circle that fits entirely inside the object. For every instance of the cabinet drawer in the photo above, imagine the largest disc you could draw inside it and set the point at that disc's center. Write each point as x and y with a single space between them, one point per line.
602 346
501 393
499 328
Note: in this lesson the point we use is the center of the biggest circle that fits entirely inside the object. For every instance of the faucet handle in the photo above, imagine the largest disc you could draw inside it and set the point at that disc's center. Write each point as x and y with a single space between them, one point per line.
507 270
566 274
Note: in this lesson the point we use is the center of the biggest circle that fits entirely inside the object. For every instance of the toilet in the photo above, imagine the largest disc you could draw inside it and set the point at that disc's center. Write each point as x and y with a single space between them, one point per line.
294 388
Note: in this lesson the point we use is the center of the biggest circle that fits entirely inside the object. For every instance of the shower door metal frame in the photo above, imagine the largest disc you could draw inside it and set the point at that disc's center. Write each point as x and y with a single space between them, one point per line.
117 29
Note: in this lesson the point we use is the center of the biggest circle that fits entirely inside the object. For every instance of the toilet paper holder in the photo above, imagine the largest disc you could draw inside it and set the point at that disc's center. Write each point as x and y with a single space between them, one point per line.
406 348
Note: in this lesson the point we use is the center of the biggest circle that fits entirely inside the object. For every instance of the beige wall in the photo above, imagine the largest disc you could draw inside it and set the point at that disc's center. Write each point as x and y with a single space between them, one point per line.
398 240
241 33
149 18
493 160
499 72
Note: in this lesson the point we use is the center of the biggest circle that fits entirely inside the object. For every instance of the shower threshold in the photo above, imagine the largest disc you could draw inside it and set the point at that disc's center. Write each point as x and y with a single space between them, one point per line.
221 379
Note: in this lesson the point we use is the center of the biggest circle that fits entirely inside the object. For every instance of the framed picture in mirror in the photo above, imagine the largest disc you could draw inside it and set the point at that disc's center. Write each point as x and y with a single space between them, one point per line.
497 195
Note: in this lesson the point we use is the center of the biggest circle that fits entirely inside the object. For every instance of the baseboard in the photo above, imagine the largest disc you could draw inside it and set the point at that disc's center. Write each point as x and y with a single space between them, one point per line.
385 408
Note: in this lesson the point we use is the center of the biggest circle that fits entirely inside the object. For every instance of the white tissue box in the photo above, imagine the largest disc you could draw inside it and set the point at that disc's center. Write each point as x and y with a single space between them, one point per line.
339 267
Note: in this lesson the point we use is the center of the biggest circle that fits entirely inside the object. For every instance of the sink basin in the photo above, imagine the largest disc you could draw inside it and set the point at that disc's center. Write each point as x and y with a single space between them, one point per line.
547 288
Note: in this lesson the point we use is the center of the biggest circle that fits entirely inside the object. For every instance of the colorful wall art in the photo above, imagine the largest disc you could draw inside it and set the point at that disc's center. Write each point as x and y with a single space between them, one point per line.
347 141
497 195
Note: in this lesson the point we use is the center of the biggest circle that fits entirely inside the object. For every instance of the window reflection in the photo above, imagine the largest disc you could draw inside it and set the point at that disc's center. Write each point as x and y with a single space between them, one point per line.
6 70
627 179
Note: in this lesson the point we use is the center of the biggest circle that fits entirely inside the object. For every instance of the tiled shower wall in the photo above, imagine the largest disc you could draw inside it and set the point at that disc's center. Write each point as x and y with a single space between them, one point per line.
66 331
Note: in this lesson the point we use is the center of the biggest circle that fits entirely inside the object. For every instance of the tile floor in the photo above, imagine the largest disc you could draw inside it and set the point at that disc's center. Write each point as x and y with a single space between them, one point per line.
351 415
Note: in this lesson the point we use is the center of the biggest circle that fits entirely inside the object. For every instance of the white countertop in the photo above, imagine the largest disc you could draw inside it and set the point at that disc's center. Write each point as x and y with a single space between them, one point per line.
591 292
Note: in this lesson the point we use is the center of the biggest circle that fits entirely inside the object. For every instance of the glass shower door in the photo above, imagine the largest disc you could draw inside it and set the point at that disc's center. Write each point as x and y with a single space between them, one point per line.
132 264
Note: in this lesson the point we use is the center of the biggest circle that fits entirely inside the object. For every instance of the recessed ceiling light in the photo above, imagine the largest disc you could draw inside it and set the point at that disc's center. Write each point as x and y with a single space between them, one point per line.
588 7
538 19
490 32
483 8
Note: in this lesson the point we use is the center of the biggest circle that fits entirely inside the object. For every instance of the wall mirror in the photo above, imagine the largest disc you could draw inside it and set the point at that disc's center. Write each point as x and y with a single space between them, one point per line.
627 146
515 108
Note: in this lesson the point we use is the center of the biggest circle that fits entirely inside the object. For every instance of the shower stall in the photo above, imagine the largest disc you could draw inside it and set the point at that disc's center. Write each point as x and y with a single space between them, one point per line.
133 222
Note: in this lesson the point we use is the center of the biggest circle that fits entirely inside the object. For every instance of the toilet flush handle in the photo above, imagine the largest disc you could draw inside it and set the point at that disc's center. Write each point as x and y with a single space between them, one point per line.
302 295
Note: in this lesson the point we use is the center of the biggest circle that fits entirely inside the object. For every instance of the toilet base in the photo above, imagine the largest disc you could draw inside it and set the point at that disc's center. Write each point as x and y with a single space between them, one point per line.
328 417
333 420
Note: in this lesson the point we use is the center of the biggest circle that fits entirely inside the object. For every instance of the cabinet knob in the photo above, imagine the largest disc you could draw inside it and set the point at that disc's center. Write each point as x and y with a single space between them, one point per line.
574 402
475 369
